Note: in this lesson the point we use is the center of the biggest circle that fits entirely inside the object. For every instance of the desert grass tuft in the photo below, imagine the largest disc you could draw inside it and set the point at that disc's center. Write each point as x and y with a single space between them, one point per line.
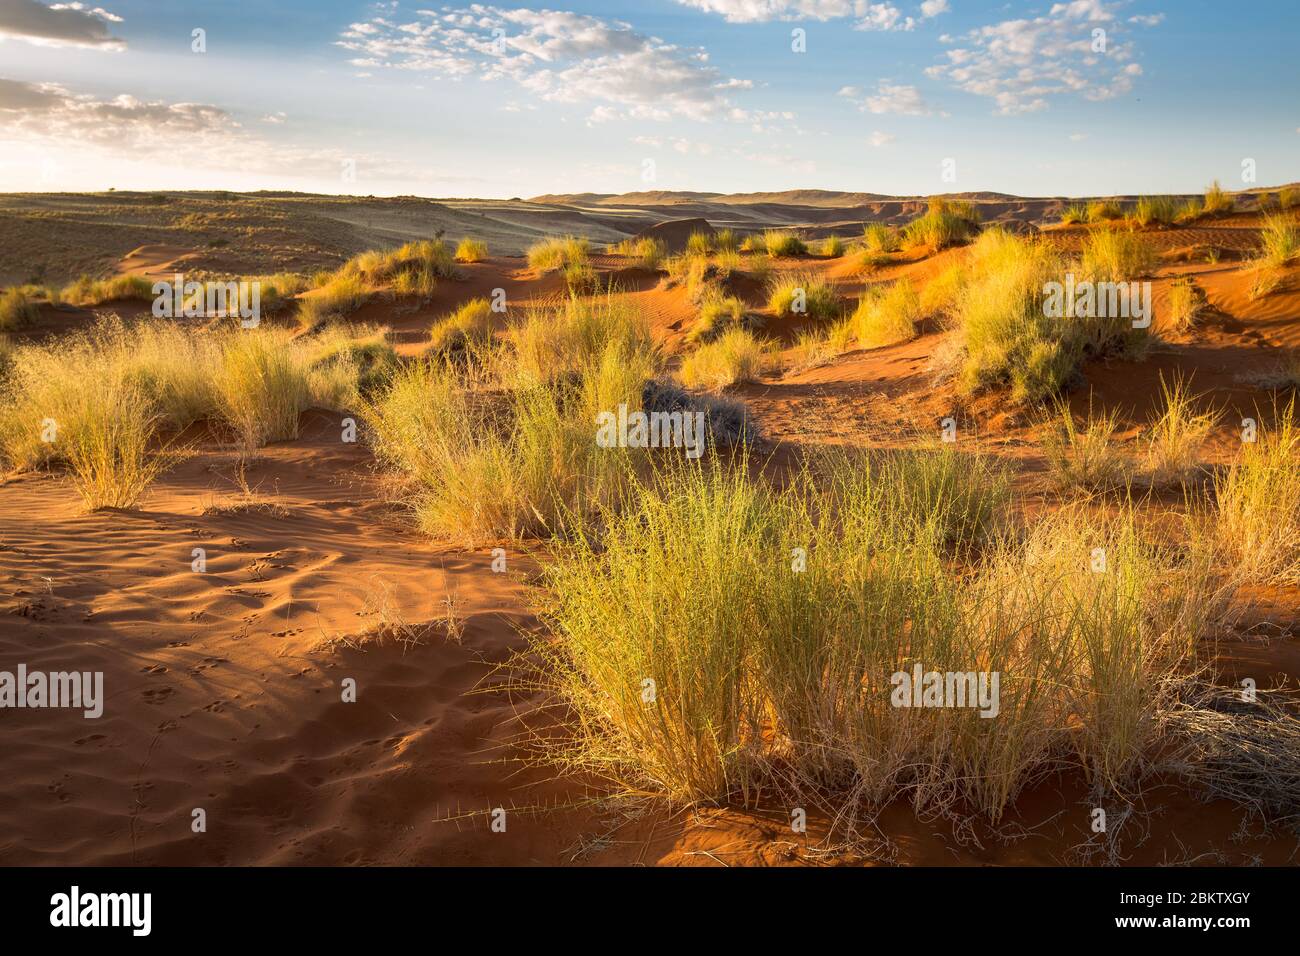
806 295
734 358
782 243
1083 457
1217 200
886 316
945 223
471 250
1259 502
1174 441
555 255
17 310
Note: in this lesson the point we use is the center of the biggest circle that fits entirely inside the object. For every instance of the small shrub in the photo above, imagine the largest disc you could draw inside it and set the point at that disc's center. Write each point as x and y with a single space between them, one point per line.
468 326
1074 213
87 292
1185 304
733 358
581 279
16 310
832 247
1150 210
1104 210
342 295
781 243
1116 255
724 240
1217 200
808 296
1082 458
1259 503
717 314
554 255
945 223
887 317
471 250
1174 440
699 244
881 239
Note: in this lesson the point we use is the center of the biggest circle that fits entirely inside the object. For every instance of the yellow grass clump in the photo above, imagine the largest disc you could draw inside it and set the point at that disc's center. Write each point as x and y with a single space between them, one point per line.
468 326
16 310
734 358
808 295
1175 438
471 250
1217 200
555 255
1258 501
945 223
1116 255
783 243
887 316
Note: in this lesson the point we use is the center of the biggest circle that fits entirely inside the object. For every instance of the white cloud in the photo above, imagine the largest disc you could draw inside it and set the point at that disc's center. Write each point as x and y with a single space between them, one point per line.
59 24
869 16
1147 19
879 139
555 55
1078 48
1078 137
149 133
891 98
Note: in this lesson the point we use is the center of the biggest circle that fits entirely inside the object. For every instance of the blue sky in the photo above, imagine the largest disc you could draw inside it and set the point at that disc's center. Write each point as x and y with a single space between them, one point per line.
499 100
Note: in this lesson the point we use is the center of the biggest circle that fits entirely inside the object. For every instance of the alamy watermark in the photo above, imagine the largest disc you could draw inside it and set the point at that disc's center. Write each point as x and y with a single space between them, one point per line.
78 690
1073 299
75 908
922 688
651 430
177 298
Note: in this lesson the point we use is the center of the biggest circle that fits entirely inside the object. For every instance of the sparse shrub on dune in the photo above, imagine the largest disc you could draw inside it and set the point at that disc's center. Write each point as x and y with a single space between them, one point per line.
549 344
1217 200
1082 457
482 472
581 279
16 310
1289 198
728 263
109 445
261 387
808 296
341 296
724 240
1279 242
881 239
471 250
1189 211
866 262
87 292
832 247
752 243
57 406
734 358
1074 214
1116 255
1155 210
691 586
717 314
555 255
1258 501
1185 304
469 325
945 223
1173 443
783 243
1104 210
939 296
699 244
887 316
383 267
649 253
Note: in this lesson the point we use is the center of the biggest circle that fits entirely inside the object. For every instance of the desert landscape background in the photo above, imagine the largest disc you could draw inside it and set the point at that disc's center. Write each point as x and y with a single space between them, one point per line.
223 685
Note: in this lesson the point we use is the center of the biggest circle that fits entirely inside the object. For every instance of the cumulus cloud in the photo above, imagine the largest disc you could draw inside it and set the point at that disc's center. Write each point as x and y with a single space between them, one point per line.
879 139
869 16
188 134
59 24
891 98
1079 48
555 55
